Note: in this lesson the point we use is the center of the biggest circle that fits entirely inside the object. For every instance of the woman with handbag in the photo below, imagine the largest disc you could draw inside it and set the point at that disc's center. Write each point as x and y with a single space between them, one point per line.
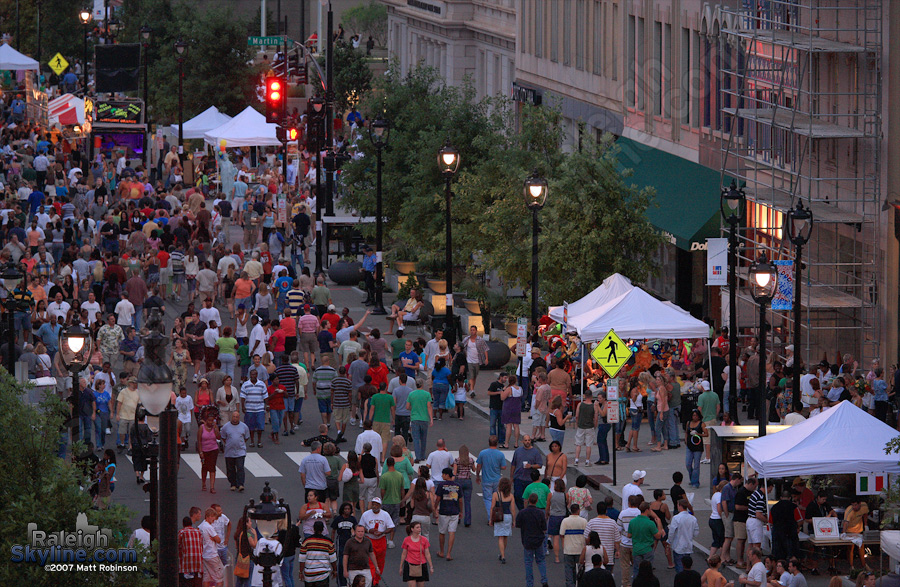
420 502
245 542
503 512
208 446
414 557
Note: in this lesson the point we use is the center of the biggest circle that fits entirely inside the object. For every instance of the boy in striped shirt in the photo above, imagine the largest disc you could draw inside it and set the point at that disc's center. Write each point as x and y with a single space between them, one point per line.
317 559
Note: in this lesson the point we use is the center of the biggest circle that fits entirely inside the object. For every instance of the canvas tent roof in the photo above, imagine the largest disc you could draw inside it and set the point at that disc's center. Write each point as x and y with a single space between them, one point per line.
66 110
12 60
207 120
854 440
247 129
639 315
611 288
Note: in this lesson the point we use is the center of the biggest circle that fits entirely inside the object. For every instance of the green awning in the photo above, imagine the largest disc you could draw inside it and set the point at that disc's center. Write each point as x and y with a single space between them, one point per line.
686 208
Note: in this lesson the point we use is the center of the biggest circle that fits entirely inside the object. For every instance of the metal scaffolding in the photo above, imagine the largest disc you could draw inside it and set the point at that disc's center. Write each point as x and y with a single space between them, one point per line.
801 98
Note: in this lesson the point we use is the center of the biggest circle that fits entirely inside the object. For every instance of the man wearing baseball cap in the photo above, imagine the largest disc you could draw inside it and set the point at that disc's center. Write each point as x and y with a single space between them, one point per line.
378 524
634 488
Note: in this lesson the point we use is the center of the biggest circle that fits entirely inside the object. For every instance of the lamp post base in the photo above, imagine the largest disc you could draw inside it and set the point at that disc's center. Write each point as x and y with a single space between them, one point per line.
378 310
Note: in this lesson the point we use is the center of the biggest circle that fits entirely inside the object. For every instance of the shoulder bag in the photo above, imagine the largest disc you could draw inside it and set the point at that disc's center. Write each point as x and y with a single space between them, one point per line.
497 510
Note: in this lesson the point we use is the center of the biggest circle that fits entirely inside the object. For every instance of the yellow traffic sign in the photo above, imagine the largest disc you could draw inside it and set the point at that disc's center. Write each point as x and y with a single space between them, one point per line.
612 353
58 63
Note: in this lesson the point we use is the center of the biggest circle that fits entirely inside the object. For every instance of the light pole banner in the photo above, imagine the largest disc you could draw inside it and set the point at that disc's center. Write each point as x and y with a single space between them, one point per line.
716 261
784 294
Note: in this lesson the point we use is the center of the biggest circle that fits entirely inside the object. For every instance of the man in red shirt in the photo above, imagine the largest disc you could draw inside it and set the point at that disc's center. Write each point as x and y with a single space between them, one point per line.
289 326
276 341
332 318
276 393
165 272
190 551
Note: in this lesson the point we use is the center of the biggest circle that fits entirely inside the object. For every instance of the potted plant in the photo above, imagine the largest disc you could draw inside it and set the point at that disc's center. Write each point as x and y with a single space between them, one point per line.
516 309
346 271
402 258
493 306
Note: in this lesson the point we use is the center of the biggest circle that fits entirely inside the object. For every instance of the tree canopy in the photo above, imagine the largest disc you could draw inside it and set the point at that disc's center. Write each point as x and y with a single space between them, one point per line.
352 76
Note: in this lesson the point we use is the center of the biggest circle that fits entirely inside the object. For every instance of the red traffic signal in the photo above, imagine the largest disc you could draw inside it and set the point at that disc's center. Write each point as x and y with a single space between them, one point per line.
292 133
275 90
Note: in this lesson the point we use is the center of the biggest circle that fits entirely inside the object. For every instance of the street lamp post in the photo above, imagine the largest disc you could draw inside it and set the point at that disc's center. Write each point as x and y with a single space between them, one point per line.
763 283
448 162
75 345
799 222
11 273
146 31
155 389
85 17
379 134
535 197
265 518
731 204
317 109
181 50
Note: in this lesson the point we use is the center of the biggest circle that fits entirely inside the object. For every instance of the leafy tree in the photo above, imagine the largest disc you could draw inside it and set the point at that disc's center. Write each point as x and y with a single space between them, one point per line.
39 487
352 76
371 18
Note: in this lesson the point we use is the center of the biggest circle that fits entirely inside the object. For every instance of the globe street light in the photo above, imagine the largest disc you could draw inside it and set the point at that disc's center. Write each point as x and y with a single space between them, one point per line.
145 45
181 50
763 283
379 134
265 518
732 204
799 222
448 163
535 191
315 142
85 17
75 345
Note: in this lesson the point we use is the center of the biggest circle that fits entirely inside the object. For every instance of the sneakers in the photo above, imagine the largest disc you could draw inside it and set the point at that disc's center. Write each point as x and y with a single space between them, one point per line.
576 462
390 544
704 461
353 421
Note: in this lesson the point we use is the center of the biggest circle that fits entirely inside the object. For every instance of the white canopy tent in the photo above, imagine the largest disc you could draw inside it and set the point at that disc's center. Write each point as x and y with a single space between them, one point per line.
841 440
612 287
247 129
66 110
636 314
204 122
12 60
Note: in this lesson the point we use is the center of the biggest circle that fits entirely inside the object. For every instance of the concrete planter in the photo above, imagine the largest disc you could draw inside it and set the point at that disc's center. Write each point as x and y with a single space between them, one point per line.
346 272
405 267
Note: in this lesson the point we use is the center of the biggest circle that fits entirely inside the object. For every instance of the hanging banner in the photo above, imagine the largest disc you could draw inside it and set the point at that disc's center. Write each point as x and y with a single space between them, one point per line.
716 261
784 295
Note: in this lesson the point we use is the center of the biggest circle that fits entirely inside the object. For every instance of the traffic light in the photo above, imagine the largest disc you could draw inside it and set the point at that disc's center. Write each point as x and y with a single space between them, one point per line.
280 133
315 127
275 99
292 133
302 74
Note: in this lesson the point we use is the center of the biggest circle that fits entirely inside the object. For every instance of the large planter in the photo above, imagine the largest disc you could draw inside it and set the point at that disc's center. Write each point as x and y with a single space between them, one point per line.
473 307
438 286
346 272
405 267
512 328
498 355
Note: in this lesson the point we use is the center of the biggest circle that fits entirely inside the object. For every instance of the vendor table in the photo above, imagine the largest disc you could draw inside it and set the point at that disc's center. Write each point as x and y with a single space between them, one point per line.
870 537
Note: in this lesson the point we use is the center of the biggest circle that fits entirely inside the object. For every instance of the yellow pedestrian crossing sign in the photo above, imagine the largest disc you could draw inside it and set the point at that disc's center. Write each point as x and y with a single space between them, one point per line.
58 63
612 353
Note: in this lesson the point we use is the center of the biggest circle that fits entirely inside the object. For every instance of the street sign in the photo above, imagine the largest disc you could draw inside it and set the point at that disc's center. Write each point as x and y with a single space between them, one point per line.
271 41
612 353
58 63
521 336
612 401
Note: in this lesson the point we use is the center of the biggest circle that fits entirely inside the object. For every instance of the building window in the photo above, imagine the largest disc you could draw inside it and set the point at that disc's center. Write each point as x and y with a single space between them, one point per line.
538 28
567 37
581 23
615 41
629 62
641 63
766 221
707 81
656 88
598 37
554 34
668 87
686 73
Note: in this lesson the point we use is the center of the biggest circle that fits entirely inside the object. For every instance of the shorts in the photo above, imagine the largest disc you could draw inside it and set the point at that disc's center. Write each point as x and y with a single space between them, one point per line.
729 526
635 419
178 278
447 523
209 461
539 419
289 403
553 524
740 530
307 343
124 425
369 490
198 353
213 571
341 415
706 440
584 436
165 273
755 531
324 406
424 578
474 368
255 420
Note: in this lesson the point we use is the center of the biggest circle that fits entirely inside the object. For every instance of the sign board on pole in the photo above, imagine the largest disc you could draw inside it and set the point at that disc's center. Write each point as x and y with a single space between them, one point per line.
521 336
565 329
612 353
270 41
716 261
282 209
58 63
612 401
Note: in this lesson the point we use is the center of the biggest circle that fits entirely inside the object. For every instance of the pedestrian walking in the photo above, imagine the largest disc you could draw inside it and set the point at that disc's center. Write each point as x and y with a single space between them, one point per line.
416 566
235 435
532 525
462 472
208 437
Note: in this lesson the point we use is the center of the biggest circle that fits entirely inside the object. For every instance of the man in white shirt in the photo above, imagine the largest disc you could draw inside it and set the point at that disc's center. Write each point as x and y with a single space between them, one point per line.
92 307
756 576
372 437
222 526
378 524
431 351
124 311
213 569
634 488
258 338
58 307
625 517
683 529
208 312
440 459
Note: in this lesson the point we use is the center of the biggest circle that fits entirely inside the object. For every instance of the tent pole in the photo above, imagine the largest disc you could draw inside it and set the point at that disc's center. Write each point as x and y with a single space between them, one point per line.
582 369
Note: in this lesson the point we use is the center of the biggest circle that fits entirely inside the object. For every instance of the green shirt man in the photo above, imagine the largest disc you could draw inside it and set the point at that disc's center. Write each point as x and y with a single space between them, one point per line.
381 404
419 404
643 531
708 402
541 490
391 485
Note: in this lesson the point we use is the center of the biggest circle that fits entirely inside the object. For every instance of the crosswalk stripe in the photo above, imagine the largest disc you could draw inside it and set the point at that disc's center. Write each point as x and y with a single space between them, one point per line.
258 467
193 461
297 457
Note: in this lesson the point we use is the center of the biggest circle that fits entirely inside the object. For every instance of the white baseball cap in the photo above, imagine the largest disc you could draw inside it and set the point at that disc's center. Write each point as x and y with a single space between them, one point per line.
638 475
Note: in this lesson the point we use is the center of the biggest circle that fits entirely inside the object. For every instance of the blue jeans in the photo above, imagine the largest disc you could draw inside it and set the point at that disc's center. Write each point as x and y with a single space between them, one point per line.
536 555
276 417
677 556
100 425
86 425
692 463
518 489
651 418
487 493
419 429
557 435
672 434
602 442
228 361
637 559
525 384
136 321
287 571
497 428
571 561
465 485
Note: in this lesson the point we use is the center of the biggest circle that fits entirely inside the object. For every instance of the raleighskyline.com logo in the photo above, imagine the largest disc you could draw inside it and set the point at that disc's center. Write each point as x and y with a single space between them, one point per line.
85 549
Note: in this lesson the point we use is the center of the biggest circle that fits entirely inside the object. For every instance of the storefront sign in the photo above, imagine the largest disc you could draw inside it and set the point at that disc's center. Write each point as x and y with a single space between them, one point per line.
118 112
427 6
526 95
